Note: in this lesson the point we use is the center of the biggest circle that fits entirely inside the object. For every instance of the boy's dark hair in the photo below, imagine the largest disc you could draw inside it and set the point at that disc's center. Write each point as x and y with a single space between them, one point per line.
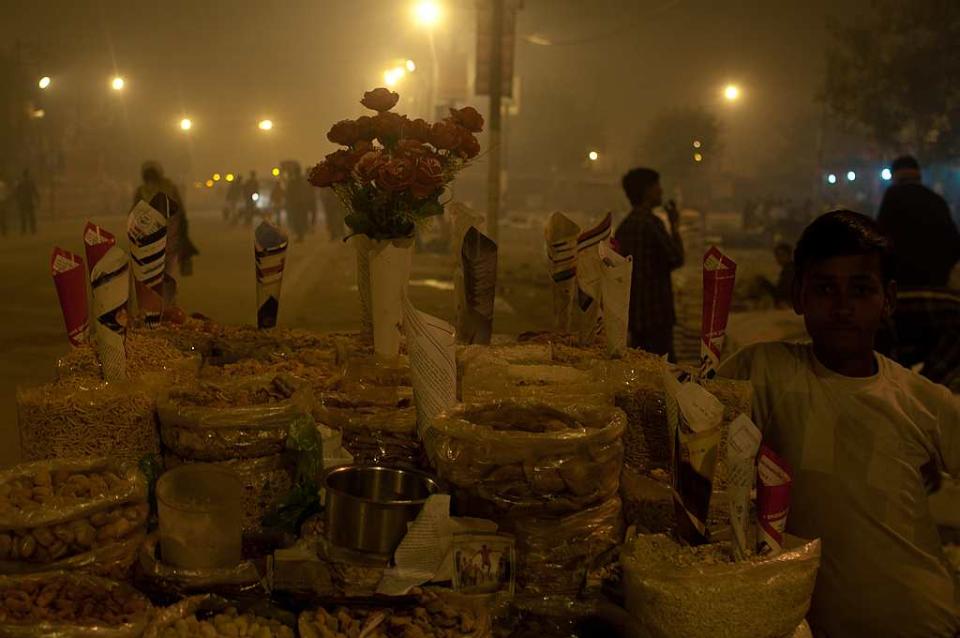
150 174
637 181
842 233
905 161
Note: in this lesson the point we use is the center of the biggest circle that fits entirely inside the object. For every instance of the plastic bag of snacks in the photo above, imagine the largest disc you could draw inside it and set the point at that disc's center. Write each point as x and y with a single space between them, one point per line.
83 514
147 355
555 553
700 592
68 605
222 421
243 578
67 419
213 617
527 456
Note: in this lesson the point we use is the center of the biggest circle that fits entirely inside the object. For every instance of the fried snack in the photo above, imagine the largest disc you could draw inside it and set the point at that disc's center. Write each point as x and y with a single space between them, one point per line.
227 624
147 354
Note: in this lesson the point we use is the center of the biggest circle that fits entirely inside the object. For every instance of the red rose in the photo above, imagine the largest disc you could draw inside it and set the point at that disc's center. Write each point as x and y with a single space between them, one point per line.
342 160
344 132
387 126
418 129
324 175
411 147
469 118
396 174
369 165
469 145
365 128
445 136
428 177
380 100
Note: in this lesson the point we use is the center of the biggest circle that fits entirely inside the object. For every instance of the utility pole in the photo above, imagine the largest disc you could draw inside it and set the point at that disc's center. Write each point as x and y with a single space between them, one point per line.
496 97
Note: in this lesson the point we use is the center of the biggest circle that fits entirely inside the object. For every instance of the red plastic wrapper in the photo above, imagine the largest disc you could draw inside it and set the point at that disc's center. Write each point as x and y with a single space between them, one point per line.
71 282
719 276
774 481
96 242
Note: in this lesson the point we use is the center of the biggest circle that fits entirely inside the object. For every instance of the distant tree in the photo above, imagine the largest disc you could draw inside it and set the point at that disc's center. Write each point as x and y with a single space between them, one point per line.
671 141
894 73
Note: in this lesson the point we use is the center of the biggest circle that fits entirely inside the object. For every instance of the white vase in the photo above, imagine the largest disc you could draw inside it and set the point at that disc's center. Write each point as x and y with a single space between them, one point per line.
383 269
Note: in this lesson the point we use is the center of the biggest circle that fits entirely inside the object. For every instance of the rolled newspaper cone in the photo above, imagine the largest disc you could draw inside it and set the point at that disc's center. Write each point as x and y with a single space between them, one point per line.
616 277
389 272
479 269
719 276
70 278
96 242
588 256
270 251
774 481
110 282
431 345
147 232
585 319
561 236
743 441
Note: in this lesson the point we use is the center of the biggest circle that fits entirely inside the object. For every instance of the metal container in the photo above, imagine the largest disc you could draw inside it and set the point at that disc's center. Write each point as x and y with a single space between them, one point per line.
368 507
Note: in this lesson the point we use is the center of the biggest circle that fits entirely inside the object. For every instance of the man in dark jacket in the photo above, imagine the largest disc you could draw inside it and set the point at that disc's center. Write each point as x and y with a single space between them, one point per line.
656 253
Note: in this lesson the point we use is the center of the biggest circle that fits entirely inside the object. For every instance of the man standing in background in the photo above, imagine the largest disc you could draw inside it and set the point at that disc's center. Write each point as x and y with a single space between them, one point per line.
27 197
656 253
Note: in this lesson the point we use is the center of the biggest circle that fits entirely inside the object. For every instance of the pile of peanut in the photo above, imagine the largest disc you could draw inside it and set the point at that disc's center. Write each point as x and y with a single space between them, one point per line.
432 618
229 624
61 599
44 488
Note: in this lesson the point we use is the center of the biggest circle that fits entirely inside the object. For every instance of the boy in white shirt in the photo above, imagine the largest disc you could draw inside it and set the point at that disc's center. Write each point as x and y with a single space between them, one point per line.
866 440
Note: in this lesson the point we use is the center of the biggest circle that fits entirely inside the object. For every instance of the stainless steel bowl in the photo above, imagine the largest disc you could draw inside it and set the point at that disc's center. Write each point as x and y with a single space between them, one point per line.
368 507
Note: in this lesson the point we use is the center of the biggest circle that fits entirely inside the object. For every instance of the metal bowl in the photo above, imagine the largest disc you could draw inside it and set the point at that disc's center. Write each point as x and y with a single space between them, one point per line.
368 507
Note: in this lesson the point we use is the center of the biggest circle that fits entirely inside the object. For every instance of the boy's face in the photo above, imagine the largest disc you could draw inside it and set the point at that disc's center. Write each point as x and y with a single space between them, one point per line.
844 301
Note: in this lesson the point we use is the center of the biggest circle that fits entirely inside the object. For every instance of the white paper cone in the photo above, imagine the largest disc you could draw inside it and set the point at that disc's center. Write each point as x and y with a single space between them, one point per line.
588 256
110 281
389 272
147 232
270 251
743 442
615 281
477 278
431 344
561 235
362 244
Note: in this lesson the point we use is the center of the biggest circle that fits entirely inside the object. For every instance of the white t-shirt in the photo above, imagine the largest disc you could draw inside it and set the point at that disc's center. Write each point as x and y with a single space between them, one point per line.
856 447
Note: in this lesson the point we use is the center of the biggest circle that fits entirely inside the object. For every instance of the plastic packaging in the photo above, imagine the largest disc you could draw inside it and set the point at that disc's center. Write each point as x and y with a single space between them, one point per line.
87 607
555 553
525 456
183 620
147 355
72 419
235 580
700 593
243 419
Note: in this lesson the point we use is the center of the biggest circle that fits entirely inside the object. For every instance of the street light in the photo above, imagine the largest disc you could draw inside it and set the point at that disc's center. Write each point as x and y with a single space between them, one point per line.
216 177
831 179
731 93
275 172
411 66
44 82
37 113
886 175
851 176
117 83
697 144
392 77
229 177
265 125
186 124
697 157
593 156
427 13
209 183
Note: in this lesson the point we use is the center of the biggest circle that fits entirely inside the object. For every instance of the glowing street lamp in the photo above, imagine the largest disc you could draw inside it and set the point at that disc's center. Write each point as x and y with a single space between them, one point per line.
851 176
117 83
886 175
275 172
427 13
731 93
230 177
697 157
209 183
44 82
411 66
593 156
697 144
186 124
831 179
265 125
216 177
392 77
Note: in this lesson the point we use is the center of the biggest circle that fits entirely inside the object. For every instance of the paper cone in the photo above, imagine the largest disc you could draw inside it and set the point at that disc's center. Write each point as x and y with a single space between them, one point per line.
719 276
586 318
389 272
110 281
147 232
561 237
431 344
588 256
270 251
96 242
743 442
616 277
170 210
362 245
478 259
71 281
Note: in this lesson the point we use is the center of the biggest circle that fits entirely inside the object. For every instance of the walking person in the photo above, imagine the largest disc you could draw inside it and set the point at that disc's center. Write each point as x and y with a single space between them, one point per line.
301 201
656 253
27 197
251 194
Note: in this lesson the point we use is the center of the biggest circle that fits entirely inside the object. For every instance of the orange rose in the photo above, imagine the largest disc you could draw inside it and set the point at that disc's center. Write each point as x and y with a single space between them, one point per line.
418 129
388 126
324 175
369 165
428 177
396 174
380 100
469 145
344 132
469 118
365 128
445 136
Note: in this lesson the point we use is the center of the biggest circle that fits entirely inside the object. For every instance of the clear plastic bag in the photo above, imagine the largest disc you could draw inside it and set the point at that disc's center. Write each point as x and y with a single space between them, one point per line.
244 578
95 607
523 456
148 355
678 591
555 553
183 620
246 419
